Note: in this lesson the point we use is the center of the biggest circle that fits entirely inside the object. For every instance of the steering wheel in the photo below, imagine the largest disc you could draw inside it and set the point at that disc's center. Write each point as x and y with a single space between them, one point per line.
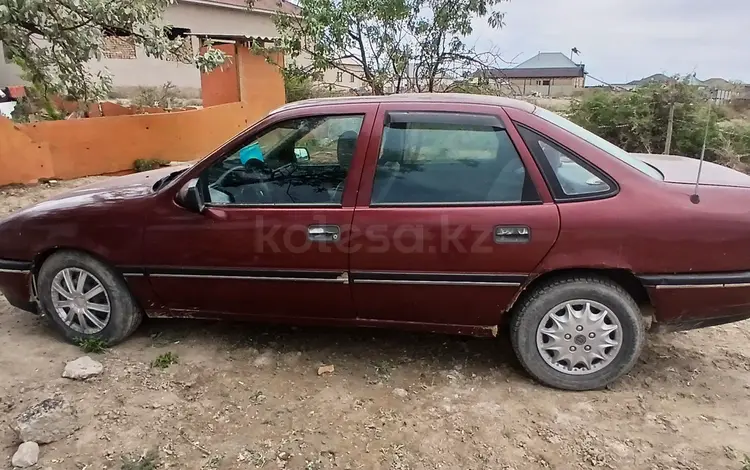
232 178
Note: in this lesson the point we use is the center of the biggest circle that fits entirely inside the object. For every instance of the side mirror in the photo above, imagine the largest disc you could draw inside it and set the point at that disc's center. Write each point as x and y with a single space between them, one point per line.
190 197
302 154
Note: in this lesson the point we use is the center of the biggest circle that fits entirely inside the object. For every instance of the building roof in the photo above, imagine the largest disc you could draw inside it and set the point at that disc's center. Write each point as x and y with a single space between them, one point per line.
547 60
222 37
542 65
271 6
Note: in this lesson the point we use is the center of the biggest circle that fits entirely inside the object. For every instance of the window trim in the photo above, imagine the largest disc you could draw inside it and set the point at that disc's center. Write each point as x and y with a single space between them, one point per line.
250 138
456 204
452 118
550 179
443 117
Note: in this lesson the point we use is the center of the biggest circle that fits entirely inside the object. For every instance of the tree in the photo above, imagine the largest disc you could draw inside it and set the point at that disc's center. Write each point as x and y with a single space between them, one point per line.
54 40
638 120
399 44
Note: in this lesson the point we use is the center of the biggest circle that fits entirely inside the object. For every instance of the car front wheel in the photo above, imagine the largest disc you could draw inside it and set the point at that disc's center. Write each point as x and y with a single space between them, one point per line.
578 333
84 298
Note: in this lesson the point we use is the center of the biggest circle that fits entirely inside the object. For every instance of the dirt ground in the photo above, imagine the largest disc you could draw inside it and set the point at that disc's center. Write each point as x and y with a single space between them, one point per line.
244 396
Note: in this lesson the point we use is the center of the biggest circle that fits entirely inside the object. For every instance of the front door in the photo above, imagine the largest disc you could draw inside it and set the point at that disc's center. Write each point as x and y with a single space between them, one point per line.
271 240
451 217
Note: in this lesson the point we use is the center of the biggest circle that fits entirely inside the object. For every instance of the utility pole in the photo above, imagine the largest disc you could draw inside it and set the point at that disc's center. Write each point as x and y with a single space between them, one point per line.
670 127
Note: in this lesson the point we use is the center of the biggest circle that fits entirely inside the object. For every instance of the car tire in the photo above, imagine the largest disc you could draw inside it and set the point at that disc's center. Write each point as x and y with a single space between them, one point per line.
124 314
563 315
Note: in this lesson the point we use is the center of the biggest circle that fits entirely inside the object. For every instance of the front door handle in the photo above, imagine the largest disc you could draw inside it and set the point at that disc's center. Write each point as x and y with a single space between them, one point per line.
512 234
323 233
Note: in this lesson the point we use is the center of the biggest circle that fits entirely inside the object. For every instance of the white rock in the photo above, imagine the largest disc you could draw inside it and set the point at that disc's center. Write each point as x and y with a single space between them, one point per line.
400 392
82 368
26 455
47 421
265 360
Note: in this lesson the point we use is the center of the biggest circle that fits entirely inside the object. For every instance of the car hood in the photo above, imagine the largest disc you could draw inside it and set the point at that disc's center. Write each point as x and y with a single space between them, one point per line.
122 187
104 192
678 169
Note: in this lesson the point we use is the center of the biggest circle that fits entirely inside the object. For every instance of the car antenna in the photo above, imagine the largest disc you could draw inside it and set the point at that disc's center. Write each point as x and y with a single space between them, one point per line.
695 198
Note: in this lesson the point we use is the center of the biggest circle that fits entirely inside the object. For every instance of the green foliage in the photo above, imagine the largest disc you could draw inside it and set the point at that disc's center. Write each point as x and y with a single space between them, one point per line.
380 38
212 58
148 164
165 360
92 345
637 121
297 84
53 41
35 107
149 461
745 463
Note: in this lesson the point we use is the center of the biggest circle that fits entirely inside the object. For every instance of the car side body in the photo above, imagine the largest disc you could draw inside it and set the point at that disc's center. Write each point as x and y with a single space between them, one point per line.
447 267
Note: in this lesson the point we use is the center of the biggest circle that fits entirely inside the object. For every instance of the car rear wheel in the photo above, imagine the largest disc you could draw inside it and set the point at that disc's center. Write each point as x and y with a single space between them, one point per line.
578 333
84 298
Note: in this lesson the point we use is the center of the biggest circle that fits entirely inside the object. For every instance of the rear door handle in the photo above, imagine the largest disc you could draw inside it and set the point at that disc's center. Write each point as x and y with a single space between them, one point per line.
512 234
323 233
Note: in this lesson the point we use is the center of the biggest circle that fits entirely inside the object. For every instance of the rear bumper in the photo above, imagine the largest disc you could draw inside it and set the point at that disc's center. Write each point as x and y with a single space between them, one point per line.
15 284
687 301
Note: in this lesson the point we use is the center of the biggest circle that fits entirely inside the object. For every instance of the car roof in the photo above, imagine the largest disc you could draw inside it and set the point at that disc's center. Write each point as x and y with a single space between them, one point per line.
447 98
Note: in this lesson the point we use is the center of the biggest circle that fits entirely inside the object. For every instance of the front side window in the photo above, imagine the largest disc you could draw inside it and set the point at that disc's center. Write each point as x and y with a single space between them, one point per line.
300 161
568 177
449 163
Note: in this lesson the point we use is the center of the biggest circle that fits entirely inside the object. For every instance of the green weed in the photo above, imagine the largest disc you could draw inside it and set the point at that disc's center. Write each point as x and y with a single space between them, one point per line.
165 360
92 345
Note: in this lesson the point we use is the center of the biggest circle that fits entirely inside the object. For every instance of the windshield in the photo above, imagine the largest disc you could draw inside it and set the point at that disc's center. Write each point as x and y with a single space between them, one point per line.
597 141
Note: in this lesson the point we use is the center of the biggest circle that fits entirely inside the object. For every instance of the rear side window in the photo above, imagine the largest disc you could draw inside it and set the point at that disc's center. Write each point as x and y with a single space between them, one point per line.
568 176
450 159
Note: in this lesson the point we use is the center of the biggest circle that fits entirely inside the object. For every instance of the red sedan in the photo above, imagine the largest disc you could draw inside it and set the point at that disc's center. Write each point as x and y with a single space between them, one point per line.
450 213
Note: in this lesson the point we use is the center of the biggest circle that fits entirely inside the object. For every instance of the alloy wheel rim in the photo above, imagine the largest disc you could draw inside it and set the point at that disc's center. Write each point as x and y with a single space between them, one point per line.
80 300
579 337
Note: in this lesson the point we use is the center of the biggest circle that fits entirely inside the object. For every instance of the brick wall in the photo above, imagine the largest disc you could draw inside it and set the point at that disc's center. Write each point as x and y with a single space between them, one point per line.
119 47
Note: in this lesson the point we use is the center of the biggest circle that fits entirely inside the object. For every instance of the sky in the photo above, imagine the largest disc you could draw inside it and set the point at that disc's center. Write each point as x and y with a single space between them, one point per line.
624 40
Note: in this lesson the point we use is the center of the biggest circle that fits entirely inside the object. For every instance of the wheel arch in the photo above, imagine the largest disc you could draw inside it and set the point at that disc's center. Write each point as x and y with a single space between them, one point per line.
623 277
43 255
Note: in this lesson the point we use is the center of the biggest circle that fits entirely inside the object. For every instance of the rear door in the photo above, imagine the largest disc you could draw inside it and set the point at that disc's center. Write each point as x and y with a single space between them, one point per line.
452 216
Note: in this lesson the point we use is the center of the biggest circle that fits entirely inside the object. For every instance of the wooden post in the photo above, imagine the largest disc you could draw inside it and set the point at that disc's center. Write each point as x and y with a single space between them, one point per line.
670 126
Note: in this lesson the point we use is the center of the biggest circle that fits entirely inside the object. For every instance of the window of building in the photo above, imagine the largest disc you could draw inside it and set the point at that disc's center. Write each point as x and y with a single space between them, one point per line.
449 162
539 82
339 76
184 53
118 44
567 175
300 161
546 82
351 78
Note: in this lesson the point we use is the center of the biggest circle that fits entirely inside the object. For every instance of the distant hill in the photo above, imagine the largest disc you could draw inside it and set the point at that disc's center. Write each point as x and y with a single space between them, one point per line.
656 78
715 82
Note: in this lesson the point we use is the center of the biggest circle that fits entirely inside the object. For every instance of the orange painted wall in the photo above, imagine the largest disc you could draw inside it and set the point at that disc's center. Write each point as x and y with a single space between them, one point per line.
221 86
82 147
261 82
21 159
